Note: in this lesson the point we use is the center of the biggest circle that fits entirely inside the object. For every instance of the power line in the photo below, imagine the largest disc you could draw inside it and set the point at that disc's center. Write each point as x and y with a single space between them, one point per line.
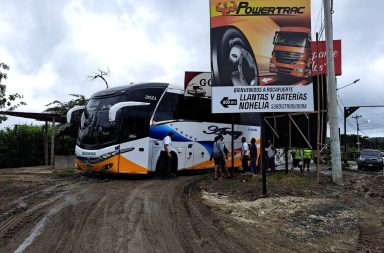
320 14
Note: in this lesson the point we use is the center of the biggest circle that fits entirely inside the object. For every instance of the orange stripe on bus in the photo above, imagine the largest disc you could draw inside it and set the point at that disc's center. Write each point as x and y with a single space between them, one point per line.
127 166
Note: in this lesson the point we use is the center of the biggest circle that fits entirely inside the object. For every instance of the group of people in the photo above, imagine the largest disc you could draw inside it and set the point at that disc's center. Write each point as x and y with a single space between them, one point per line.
301 157
249 152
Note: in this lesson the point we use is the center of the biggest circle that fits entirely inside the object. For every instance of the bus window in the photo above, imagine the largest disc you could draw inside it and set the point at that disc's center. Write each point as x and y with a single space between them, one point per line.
133 128
199 109
168 107
250 119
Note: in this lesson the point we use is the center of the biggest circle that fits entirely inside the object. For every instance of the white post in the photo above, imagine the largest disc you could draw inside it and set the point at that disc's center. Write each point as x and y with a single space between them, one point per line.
333 119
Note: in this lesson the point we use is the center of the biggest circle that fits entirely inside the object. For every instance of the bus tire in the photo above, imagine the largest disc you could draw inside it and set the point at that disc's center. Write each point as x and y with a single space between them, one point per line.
174 163
173 168
158 167
233 61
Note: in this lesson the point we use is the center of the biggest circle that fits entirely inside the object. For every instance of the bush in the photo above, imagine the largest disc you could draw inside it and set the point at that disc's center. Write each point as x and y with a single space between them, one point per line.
24 146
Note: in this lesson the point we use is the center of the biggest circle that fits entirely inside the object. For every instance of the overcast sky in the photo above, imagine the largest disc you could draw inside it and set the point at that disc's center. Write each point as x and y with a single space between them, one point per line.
52 46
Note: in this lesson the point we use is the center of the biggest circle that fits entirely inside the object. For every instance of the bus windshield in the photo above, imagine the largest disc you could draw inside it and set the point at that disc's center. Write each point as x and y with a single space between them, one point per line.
295 39
96 131
95 128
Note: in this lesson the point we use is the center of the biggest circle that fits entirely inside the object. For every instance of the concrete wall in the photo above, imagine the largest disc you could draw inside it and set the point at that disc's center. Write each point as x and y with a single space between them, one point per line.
64 161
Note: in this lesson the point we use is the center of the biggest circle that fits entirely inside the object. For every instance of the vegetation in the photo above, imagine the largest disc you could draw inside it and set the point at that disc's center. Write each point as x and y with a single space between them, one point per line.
21 146
24 146
10 102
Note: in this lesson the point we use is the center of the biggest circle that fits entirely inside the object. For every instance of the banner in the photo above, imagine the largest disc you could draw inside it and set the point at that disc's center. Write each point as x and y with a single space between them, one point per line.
261 43
319 59
197 84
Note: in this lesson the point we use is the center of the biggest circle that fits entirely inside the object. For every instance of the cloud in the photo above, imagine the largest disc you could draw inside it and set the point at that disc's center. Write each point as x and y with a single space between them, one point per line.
52 46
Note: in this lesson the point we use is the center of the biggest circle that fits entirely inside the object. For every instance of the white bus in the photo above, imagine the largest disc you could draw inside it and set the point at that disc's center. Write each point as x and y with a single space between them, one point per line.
121 129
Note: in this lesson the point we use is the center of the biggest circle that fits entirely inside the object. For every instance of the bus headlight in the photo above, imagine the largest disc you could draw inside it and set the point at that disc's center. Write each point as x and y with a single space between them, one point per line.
108 155
299 69
107 166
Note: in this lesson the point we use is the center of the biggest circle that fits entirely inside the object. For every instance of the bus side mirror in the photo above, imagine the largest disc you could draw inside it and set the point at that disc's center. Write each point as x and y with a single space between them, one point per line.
114 108
76 108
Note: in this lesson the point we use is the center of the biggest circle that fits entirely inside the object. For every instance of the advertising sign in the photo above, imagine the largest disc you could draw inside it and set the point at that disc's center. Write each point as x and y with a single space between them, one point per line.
319 57
259 44
198 84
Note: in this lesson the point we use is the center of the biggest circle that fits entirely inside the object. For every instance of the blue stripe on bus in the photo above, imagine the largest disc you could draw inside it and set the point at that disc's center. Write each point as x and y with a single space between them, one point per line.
207 145
159 132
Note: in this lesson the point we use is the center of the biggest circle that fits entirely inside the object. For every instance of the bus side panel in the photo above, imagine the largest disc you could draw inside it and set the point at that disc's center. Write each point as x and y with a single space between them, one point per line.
134 157
193 141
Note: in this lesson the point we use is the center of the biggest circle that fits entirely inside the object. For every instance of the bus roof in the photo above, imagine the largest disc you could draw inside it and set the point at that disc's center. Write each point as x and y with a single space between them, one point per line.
135 86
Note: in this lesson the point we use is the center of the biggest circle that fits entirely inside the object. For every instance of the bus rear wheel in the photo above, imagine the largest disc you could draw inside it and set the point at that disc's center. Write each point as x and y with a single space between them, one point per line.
173 168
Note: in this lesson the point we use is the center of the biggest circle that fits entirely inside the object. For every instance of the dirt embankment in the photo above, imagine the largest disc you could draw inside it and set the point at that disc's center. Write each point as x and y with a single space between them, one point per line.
42 212
301 215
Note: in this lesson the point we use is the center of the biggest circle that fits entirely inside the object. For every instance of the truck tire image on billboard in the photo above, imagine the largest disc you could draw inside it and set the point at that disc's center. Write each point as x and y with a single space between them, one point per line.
233 62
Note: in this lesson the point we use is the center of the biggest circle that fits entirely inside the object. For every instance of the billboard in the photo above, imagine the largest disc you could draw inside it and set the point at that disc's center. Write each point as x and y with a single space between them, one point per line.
197 84
319 57
261 56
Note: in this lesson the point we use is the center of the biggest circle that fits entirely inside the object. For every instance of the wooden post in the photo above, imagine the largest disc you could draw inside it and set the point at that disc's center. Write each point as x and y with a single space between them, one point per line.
53 144
46 155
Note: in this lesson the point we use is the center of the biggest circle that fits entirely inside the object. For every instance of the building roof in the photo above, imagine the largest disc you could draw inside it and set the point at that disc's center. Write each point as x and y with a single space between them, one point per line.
40 116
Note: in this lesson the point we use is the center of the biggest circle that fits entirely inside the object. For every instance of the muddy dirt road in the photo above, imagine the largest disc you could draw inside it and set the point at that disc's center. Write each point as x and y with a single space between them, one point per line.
41 212
119 215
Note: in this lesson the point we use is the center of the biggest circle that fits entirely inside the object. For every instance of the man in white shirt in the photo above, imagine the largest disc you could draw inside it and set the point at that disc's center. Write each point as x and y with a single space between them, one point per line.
244 154
166 156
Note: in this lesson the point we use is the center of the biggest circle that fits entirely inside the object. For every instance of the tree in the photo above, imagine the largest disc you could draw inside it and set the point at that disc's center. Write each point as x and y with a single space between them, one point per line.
10 102
100 74
63 107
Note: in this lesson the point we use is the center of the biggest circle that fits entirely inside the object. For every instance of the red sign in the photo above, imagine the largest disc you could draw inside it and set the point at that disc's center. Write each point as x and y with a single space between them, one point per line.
319 57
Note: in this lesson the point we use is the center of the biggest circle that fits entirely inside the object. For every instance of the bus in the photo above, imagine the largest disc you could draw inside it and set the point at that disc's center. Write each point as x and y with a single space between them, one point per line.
121 129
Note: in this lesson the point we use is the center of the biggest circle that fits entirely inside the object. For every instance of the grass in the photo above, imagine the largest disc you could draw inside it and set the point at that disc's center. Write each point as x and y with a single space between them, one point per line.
67 172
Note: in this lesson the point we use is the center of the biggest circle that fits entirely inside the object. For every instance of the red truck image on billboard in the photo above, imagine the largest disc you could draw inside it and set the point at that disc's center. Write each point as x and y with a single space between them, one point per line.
291 53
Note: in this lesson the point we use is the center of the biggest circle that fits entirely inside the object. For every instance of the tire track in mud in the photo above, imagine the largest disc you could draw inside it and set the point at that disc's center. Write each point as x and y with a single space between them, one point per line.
148 215
18 217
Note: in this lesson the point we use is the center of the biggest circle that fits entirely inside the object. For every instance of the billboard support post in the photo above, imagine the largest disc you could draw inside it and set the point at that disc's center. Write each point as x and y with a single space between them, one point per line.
318 115
333 119
232 144
262 156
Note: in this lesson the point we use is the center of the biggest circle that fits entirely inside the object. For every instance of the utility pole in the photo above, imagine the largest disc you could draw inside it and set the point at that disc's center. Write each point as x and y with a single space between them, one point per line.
357 131
331 80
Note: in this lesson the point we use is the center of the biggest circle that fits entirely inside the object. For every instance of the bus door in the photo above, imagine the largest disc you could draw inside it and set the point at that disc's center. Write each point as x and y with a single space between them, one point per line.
155 146
134 146
181 157
189 155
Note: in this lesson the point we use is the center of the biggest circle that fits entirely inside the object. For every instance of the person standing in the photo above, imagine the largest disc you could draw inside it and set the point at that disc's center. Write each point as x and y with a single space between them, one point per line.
244 154
307 156
296 159
218 154
253 156
271 157
166 156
